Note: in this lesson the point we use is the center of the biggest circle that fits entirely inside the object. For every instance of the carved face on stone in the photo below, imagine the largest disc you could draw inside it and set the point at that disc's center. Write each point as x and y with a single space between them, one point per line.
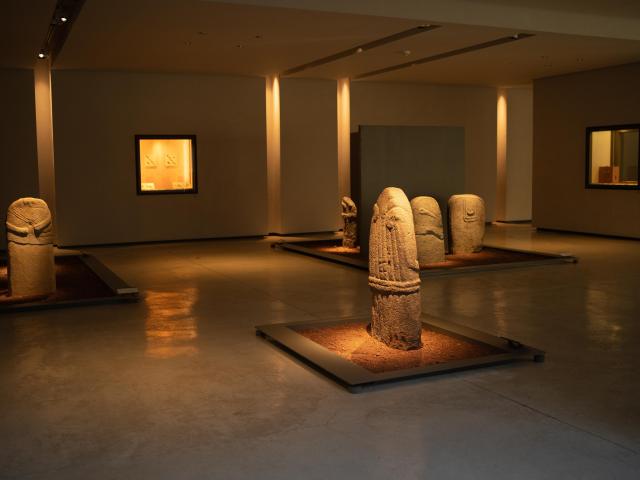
392 246
29 222
427 217
349 208
393 273
429 231
467 217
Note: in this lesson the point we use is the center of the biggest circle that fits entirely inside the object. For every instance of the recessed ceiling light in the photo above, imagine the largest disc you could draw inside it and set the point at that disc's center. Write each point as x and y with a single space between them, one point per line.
42 55
406 53
359 50
63 19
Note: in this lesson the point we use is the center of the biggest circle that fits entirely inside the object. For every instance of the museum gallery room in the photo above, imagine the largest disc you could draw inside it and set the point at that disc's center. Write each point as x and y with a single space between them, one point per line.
320 239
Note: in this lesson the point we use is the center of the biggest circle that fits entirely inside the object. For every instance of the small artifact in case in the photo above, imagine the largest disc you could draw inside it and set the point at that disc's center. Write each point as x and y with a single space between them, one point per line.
608 174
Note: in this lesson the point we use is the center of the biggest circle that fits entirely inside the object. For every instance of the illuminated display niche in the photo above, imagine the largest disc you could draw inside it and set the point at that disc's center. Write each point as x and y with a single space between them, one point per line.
613 154
166 164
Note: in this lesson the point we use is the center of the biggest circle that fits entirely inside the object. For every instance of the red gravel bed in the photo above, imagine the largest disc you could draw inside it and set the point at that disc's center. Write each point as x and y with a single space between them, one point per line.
352 342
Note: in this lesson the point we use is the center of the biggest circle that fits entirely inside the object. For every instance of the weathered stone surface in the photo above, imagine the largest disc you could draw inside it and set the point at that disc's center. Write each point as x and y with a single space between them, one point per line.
466 223
427 220
349 217
30 248
393 272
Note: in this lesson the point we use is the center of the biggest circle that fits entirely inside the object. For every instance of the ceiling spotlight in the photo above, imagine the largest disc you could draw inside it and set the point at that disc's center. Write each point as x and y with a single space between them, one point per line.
42 55
63 19
406 53
359 50
516 36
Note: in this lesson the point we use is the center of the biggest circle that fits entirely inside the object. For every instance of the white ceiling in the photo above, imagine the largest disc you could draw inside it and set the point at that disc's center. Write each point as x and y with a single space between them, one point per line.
232 38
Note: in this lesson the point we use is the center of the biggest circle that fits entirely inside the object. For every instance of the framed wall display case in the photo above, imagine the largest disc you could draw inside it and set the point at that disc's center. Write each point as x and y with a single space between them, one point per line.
166 164
613 155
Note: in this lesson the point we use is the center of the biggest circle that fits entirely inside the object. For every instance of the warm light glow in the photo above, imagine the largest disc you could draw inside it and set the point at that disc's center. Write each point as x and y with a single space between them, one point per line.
166 164
501 160
600 152
170 327
344 137
274 210
63 19
44 135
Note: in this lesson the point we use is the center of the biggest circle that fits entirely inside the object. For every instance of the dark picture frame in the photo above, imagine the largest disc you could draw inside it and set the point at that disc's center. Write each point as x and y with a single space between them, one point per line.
588 172
194 164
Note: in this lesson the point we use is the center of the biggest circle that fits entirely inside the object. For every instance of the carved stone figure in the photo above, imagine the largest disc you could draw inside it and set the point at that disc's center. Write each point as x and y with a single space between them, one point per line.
349 217
466 223
393 272
427 221
30 248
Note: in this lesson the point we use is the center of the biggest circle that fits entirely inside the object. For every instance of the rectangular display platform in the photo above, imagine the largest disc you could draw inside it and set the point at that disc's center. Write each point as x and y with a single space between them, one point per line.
490 258
355 377
81 279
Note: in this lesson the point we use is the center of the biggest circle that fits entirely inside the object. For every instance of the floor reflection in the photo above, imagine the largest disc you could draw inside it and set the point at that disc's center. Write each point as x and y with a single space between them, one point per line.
170 326
601 323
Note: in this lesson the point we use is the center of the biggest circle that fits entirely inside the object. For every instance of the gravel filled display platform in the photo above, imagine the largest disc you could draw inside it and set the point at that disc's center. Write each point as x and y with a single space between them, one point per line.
344 351
489 258
80 280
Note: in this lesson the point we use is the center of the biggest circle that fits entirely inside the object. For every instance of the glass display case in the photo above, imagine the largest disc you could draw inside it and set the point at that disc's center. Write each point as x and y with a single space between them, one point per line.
166 164
613 154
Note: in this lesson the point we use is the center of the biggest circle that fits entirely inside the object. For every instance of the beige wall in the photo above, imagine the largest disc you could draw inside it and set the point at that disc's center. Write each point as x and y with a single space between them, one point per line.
97 114
18 160
473 108
309 156
564 107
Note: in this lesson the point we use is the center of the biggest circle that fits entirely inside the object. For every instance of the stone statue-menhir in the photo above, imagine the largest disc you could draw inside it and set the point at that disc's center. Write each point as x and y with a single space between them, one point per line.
393 272
466 223
427 221
349 217
30 248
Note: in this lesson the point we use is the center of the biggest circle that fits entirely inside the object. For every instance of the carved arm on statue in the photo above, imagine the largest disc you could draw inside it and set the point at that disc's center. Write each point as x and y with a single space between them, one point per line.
41 225
24 231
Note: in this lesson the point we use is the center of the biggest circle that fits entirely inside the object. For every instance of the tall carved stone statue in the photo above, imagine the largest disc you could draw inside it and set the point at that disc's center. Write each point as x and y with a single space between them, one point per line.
393 272
427 220
349 217
466 223
30 248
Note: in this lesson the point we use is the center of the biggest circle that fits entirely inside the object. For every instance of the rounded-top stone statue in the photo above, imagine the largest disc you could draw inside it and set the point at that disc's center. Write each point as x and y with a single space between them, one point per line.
349 217
393 272
30 248
466 223
427 221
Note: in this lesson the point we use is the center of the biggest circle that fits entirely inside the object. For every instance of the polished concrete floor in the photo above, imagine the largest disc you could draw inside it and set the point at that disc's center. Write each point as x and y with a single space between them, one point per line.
178 386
